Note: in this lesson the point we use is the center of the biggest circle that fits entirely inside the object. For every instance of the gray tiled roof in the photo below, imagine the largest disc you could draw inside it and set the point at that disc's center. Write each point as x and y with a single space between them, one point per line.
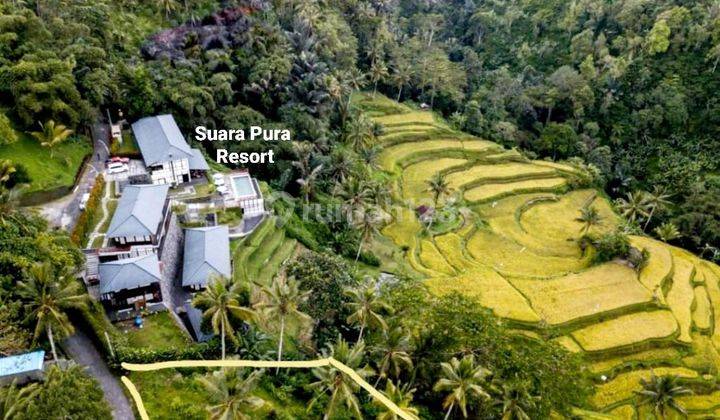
197 162
139 211
207 252
130 273
160 140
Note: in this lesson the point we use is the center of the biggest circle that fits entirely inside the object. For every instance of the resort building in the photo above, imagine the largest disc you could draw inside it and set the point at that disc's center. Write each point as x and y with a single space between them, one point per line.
207 253
245 193
140 217
168 157
130 282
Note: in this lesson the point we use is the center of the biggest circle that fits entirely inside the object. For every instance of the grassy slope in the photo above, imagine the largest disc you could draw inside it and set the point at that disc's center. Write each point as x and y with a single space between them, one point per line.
46 172
518 254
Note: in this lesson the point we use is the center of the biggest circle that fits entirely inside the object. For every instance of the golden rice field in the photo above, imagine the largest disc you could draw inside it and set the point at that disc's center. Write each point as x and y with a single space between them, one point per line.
394 155
600 289
415 176
509 171
488 192
518 254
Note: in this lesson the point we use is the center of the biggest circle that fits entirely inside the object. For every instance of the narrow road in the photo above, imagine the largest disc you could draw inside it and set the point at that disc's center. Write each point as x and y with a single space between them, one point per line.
64 212
83 352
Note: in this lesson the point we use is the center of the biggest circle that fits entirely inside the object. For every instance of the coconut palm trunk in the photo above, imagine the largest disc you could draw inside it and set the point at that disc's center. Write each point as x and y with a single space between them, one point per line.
222 338
447 415
362 329
280 345
52 343
399 92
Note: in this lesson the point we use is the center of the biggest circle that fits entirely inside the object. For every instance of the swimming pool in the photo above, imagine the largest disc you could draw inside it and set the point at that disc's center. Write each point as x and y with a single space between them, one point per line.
242 186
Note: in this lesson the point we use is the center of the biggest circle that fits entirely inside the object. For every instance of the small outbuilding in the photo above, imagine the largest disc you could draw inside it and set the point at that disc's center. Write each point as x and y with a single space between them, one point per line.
22 368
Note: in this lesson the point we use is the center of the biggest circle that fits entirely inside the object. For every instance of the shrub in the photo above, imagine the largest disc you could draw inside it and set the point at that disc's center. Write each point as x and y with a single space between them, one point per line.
88 218
608 246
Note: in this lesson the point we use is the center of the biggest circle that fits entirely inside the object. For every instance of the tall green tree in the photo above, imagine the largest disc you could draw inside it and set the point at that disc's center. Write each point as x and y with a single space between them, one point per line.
47 295
589 217
231 393
366 306
635 206
657 200
367 220
438 186
281 301
461 379
392 353
220 303
51 134
402 396
335 383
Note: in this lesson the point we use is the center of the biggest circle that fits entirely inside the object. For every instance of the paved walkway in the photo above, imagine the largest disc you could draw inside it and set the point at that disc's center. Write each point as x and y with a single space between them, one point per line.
104 204
83 352
64 212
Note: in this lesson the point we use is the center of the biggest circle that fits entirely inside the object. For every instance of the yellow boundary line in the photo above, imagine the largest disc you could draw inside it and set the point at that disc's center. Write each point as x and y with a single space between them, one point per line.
149 367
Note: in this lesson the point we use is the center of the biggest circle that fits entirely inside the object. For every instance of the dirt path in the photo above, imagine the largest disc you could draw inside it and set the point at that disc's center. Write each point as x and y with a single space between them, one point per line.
83 352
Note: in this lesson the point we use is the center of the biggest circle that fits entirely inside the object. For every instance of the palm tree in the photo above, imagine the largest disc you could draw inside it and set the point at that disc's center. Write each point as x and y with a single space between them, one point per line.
6 170
360 132
343 165
168 6
282 300
463 379
516 401
378 71
333 381
13 400
667 232
401 77
51 134
658 199
9 202
438 186
220 303
354 193
661 392
634 206
307 183
365 306
47 295
230 391
367 220
590 217
393 353
402 396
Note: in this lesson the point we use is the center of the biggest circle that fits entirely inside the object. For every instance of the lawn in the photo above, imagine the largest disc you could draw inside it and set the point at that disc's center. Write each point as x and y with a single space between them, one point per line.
47 172
159 332
128 146
111 206
170 394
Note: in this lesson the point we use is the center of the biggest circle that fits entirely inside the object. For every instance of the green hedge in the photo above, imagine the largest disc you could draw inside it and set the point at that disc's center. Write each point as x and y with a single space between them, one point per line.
88 218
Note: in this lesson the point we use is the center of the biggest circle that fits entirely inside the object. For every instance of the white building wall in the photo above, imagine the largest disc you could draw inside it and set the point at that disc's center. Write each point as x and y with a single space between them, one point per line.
171 172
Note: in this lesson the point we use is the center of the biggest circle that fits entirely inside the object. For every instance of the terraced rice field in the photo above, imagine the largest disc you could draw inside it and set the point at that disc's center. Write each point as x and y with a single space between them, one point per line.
518 254
259 256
